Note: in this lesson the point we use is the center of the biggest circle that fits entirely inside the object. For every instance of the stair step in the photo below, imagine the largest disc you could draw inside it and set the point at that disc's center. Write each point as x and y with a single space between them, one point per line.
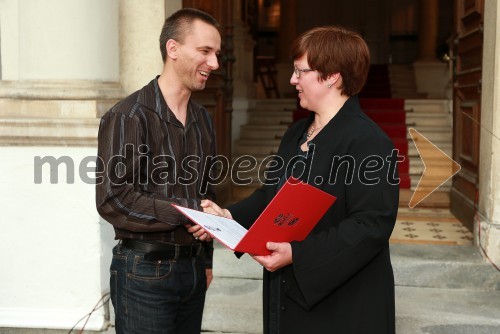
421 119
446 147
427 105
254 150
275 104
264 131
417 165
256 147
435 135
429 184
418 169
437 200
441 311
270 118
442 266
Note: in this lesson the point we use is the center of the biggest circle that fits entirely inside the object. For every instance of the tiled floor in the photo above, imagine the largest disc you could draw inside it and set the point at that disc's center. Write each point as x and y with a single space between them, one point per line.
430 226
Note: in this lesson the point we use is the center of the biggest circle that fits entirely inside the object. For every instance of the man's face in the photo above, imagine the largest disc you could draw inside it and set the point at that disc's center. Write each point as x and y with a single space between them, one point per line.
197 55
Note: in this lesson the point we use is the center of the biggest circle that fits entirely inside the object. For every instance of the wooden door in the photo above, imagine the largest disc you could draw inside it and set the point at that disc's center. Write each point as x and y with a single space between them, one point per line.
468 53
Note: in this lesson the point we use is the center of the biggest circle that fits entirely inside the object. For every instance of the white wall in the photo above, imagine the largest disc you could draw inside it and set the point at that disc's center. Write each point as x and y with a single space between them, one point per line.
59 39
55 252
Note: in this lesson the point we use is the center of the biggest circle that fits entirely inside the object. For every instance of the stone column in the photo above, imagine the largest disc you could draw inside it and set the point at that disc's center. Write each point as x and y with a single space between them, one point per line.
428 29
487 222
431 75
287 33
140 27
244 86
60 60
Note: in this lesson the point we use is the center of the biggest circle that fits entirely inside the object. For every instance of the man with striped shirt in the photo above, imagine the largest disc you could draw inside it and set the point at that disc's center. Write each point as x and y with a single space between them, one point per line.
154 150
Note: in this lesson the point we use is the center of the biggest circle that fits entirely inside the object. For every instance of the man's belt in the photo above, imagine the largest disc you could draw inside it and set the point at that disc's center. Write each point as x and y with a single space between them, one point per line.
159 251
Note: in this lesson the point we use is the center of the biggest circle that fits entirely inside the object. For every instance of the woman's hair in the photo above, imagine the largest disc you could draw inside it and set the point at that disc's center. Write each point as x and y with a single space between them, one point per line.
333 49
179 24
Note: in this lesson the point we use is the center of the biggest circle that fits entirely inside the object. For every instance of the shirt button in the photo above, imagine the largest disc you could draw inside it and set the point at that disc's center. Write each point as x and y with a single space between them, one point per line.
283 281
283 308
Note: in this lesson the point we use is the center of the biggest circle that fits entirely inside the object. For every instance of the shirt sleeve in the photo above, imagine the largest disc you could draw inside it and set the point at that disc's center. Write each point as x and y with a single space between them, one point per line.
120 199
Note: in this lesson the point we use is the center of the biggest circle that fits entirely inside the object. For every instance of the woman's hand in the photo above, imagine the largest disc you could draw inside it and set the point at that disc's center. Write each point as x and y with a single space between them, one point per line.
210 276
280 257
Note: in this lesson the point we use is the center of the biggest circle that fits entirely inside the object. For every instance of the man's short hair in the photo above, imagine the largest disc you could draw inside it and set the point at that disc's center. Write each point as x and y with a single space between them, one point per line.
179 24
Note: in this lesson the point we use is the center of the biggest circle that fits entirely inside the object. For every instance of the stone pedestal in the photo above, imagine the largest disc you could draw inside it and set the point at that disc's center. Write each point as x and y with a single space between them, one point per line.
432 78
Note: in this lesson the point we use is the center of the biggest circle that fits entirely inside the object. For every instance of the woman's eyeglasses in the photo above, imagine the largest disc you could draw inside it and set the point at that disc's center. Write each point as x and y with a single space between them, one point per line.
298 71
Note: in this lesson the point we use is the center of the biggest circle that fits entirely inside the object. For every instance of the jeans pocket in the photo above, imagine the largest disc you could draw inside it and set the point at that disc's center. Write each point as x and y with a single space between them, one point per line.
150 270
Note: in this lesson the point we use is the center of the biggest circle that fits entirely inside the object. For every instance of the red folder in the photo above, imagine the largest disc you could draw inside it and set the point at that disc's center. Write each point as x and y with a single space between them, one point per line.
290 216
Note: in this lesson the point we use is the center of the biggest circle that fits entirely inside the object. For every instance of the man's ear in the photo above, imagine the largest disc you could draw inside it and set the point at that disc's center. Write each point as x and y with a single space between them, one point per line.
172 48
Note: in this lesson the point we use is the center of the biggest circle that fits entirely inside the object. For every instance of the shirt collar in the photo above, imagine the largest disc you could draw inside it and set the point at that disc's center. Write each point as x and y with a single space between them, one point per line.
152 98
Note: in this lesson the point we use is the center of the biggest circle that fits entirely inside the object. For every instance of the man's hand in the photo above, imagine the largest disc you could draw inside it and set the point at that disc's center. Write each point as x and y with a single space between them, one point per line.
210 207
280 257
198 232
210 276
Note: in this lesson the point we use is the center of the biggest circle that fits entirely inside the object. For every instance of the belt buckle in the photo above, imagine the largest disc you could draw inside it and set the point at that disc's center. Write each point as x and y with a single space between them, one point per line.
158 256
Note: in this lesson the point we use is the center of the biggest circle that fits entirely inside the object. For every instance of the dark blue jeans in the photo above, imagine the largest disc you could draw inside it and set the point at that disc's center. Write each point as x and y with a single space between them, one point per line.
164 296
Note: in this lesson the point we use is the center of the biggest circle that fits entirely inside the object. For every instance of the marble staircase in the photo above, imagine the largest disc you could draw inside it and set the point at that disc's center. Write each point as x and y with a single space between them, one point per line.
267 122
260 138
402 80
433 120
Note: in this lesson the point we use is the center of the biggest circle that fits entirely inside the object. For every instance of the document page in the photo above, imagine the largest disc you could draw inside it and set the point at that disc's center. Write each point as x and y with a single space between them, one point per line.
226 231
290 216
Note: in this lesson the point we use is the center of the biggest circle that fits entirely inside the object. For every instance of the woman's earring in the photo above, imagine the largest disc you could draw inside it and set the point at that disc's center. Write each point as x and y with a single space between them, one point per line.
329 85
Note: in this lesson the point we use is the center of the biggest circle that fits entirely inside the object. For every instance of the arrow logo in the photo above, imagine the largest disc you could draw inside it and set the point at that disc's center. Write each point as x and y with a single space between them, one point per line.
438 167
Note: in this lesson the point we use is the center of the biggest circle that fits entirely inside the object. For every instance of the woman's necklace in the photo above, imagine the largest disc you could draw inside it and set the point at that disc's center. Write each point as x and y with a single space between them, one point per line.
311 131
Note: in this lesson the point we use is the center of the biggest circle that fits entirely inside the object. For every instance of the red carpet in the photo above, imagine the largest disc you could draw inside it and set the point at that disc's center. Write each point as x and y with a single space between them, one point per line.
390 115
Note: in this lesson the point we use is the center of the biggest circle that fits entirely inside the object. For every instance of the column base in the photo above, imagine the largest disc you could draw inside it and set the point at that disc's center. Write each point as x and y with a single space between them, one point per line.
433 78
486 236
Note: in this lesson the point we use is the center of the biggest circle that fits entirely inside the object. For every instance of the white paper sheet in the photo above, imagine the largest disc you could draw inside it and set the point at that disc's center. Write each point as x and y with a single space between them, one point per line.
227 231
